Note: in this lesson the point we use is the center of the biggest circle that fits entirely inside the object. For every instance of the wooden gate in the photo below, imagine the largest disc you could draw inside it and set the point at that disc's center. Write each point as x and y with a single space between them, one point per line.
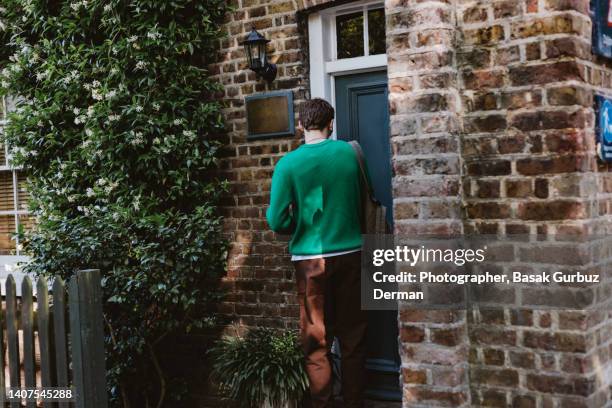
65 330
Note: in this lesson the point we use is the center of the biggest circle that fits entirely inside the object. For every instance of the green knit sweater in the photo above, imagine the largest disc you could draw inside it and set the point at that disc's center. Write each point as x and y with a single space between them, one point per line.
316 197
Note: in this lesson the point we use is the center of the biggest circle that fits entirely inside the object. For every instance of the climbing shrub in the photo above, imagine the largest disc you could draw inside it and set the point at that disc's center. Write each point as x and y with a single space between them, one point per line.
114 123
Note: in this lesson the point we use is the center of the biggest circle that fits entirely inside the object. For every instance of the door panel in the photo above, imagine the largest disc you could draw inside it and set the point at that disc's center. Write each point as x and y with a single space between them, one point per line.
362 114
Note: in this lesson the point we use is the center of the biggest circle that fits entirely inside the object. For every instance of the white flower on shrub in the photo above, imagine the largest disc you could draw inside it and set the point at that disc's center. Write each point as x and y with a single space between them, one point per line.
96 95
137 139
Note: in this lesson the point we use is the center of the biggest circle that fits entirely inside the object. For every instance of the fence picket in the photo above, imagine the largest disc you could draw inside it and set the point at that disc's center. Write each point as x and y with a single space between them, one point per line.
59 326
27 328
12 335
83 368
44 340
76 341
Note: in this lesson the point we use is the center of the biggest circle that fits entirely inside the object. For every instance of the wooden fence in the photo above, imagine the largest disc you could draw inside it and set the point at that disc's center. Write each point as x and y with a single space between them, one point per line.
65 332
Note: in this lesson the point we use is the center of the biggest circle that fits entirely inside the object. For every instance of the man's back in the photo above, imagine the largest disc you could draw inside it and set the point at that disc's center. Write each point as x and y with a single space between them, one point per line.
322 183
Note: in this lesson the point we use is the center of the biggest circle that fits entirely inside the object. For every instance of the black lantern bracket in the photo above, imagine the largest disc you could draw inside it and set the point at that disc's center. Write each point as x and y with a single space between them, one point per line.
256 53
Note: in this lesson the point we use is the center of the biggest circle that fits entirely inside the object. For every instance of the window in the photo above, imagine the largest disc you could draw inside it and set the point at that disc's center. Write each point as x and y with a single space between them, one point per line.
360 33
13 198
343 40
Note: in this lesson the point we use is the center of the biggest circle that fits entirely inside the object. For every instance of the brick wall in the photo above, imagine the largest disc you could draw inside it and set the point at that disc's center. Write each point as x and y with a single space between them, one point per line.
527 79
260 276
492 130
425 108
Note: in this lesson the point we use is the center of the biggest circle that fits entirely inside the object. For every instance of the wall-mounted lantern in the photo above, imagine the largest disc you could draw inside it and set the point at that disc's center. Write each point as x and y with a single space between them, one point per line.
255 49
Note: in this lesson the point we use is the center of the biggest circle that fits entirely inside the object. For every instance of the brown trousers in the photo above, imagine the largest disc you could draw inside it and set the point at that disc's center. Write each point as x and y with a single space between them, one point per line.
329 291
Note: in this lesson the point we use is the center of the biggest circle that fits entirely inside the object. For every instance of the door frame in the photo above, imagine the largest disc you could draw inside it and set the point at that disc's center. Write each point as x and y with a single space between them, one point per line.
324 65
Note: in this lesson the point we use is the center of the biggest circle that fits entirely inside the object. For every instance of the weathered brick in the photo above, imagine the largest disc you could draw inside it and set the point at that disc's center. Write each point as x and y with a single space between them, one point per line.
432 145
412 376
567 47
494 377
418 166
474 14
541 120
484 36
412 334
521 99
488 210
494 357
551 210
545 73
524 401
559 24
574 343
512 144
506 9
483 79
549 165
489 168
488 188
559 385
522 359
446 337
438 397
562 5
520 188
489 123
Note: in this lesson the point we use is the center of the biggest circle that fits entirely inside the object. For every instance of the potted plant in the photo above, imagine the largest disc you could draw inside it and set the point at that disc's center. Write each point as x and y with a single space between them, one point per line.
264 368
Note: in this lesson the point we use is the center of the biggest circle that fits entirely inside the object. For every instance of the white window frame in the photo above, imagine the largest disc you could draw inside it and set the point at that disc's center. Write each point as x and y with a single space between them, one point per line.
16 211
324 63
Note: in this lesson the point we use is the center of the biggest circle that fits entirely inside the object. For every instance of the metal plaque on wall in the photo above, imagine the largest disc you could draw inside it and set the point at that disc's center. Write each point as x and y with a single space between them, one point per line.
269 115
601 15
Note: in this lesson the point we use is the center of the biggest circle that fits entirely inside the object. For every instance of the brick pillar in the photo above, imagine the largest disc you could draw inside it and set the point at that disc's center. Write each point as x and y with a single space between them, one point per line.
423 98
530 168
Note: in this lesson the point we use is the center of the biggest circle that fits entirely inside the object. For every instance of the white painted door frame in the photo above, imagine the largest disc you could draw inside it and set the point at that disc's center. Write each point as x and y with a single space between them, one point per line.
324 64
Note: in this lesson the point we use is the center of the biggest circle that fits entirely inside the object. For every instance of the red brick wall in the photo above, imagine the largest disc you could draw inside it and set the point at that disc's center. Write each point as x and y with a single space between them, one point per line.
527 75
259 272
492 130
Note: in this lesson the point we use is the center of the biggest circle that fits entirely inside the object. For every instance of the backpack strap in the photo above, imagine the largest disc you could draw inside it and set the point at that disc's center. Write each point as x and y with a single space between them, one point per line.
361 160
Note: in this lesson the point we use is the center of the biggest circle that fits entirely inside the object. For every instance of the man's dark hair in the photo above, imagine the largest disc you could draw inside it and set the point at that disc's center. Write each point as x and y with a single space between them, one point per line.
315 114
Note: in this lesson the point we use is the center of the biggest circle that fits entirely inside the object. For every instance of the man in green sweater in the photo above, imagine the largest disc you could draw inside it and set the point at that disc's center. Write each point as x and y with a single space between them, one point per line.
315 196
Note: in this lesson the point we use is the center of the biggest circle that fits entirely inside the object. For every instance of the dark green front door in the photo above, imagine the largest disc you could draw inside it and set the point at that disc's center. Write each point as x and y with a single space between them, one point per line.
362 114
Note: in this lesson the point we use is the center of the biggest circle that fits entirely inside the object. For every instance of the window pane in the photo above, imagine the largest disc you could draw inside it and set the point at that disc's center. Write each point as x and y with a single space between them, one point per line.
349 34
2 153
7 231
376 31
6 191
22 192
